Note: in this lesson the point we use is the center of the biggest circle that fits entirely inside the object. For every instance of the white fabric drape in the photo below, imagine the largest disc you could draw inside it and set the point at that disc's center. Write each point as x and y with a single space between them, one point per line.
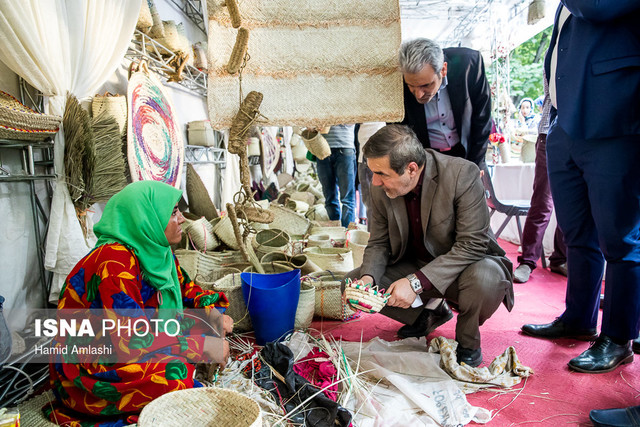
60 47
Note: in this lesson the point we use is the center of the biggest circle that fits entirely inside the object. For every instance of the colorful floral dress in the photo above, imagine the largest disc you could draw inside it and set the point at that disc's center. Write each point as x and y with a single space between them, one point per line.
113 394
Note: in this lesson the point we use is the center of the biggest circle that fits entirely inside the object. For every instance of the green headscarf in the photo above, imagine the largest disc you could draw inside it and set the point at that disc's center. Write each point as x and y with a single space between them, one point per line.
137 217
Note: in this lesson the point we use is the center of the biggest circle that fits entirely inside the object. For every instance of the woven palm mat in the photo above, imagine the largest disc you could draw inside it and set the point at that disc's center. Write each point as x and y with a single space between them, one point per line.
155 146
325 62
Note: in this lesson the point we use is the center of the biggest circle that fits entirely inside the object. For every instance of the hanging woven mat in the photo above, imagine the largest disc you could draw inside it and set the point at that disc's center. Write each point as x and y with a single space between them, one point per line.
366 298
202 407
155 147
17 121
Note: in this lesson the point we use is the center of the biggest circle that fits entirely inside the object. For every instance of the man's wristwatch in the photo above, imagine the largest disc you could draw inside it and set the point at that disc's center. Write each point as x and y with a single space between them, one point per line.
415 284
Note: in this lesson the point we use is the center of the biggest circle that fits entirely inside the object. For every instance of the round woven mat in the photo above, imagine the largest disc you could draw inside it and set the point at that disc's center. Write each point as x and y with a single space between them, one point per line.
201 407
155 146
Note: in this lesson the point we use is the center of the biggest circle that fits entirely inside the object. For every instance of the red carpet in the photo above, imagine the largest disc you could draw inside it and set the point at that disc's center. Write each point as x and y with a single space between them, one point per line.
553 396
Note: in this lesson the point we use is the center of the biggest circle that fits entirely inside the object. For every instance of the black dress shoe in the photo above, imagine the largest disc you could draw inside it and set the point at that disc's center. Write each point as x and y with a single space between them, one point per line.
616 417
603 356
559 269
466 355
427 322
559 329
635 345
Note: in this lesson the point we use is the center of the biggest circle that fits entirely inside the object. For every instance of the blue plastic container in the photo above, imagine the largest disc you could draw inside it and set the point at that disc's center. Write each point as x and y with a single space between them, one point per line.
272 300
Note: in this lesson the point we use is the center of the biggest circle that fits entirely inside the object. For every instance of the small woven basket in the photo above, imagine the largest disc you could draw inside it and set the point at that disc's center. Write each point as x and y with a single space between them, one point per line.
306 306
299 261
317 213
365 298
223 228
298 206
114 105
304 196
319 240
203 406
329 299
316 144
333 259
200 232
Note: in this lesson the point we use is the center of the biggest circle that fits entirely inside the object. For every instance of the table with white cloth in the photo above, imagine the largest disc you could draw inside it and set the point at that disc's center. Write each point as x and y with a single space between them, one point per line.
514 181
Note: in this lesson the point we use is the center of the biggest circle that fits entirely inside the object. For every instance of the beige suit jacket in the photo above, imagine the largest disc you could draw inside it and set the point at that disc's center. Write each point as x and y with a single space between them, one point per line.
455 222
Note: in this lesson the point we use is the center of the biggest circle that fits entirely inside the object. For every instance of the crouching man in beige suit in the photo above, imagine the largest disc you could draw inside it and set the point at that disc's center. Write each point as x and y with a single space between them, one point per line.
430 237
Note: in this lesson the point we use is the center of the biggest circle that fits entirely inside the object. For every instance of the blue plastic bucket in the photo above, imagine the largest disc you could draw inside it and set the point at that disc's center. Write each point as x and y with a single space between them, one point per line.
272 300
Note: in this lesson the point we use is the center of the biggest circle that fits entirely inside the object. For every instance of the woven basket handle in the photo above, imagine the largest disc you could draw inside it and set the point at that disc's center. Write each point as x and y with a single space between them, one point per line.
139 67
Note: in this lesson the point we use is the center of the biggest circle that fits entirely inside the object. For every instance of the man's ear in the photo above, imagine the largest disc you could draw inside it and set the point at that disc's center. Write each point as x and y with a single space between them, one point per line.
413 168
444 70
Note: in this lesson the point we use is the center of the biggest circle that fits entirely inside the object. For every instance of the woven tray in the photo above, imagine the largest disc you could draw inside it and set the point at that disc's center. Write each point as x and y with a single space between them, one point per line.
202 407
366 298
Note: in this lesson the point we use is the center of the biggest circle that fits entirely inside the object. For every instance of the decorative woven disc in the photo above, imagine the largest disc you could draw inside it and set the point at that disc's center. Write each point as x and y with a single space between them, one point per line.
155 146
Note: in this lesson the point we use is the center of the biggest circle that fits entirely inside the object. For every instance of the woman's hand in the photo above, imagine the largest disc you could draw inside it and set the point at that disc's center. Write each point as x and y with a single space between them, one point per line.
227 324
217 350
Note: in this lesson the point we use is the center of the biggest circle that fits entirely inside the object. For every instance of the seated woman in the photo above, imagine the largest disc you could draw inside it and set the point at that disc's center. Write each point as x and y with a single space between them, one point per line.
132 267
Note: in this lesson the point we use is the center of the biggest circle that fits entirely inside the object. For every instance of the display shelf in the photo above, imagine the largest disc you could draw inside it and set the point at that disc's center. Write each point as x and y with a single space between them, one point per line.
197 154
32 171
193 10
159 59
19 377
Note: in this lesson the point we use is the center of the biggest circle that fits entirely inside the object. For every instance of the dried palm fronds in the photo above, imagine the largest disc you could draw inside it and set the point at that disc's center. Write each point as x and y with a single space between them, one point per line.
78 150
109 171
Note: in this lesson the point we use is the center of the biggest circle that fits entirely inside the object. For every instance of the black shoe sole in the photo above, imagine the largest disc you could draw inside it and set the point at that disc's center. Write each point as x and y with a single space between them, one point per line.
624 361
573 337
428 331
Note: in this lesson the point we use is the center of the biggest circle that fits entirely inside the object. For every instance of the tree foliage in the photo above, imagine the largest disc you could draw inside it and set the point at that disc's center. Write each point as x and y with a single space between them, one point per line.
527 61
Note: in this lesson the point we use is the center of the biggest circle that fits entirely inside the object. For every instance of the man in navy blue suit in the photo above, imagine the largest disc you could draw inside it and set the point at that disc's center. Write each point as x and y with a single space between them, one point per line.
593 153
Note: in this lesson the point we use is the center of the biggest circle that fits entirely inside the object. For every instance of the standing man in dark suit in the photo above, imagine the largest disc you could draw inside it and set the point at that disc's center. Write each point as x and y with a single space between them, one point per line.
593 148
430 236
447 99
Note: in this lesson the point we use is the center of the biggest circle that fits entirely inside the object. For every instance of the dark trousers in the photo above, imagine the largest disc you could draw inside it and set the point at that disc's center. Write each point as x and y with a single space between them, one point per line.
596 191
540 214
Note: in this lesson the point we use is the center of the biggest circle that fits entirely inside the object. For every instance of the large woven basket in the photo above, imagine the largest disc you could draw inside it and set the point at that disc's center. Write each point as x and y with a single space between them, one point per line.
333 259
357 241
207 281
270 268
271 240
299 261
333 232
329 300
231 285
199 200
204 406
17 121
114 105
319 240
197 263
286 219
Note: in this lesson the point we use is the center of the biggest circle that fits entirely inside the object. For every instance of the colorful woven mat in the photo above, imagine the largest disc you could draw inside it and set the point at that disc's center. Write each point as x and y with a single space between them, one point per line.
155 146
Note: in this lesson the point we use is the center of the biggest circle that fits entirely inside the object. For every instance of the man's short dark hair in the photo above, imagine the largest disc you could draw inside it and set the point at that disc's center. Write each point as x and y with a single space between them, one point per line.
398 142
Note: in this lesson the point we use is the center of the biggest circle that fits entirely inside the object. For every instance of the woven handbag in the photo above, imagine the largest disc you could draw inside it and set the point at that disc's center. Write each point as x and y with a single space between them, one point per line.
329 299
271 240
114 105
365 298
203 406
200 232
17 121
333 259
316 144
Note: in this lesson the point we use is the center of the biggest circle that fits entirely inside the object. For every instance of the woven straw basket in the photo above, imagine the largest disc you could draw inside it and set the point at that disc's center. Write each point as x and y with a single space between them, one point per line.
196 263
317 213
208 281
303 196
306 306
17 121
316 144
319 240
299 261
114 105
270 268
171 39
145 21
199 200
223 228
329 301
366 298
157 29
201 234
286 219
271 240
298 206
333 232
203 406
357 241
333 259
231 285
